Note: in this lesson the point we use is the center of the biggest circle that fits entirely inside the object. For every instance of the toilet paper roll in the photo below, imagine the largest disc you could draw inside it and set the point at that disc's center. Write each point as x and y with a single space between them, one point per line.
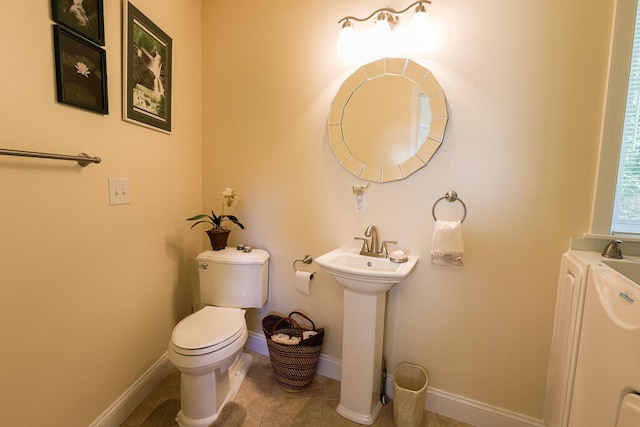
303 280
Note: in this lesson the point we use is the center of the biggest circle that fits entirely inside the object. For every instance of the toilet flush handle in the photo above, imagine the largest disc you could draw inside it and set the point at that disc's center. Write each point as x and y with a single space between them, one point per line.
204 266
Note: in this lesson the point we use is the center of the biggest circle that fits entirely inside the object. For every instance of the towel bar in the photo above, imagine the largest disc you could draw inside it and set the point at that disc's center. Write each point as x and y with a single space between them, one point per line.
82 158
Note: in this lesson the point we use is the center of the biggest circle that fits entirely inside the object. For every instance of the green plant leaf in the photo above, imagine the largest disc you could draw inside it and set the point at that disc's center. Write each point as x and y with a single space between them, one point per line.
200 222
235 220
193 218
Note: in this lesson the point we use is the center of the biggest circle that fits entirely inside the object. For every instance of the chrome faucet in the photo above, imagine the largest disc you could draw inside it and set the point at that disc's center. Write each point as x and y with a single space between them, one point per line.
371 247
612 250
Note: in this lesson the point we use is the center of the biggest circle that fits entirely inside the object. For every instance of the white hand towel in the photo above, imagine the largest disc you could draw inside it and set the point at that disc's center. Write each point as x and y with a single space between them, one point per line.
447 246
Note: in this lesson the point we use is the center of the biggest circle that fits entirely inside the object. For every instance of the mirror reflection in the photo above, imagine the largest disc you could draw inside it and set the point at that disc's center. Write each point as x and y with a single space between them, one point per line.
391 109
387 120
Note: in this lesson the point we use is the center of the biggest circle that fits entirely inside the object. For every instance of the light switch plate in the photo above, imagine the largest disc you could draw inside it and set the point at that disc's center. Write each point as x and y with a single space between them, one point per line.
118 191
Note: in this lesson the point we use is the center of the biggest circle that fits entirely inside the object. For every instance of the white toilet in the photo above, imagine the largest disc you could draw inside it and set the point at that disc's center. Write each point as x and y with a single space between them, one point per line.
206 347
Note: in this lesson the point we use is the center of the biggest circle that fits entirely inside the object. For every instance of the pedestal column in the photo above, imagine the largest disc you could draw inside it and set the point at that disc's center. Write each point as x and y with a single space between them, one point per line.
362 339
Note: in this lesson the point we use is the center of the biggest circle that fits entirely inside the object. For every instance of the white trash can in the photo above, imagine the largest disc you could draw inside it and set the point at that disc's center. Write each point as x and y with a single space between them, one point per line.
409 394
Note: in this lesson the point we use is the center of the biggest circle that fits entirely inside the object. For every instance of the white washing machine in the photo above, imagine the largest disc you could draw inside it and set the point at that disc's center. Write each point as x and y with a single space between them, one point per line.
607 378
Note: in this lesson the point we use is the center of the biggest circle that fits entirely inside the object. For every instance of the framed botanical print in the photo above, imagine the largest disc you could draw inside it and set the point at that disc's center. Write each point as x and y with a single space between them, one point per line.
81 71
85 17
147 69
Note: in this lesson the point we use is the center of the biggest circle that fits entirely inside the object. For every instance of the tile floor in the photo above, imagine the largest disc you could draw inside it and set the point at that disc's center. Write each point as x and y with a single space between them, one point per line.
262 403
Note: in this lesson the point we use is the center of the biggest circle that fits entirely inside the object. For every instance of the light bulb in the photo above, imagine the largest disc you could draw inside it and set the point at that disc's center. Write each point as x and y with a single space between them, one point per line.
382 27
420 31
379 40
347 44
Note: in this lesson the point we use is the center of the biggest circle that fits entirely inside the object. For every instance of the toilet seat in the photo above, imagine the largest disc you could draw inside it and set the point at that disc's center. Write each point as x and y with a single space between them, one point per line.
208 330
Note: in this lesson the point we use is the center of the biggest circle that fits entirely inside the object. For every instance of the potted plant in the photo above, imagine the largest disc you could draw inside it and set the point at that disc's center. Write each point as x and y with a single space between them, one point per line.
219 234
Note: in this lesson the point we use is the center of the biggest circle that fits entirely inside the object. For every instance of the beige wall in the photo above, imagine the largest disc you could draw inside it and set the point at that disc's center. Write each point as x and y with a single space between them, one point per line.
89 293
525 86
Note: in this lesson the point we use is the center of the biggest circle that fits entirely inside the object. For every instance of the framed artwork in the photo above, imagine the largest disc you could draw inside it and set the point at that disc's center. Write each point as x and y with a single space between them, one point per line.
81 71
85 17
147 71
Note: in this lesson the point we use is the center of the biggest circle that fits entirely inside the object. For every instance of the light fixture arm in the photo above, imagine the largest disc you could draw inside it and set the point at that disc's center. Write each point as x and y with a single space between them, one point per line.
385 9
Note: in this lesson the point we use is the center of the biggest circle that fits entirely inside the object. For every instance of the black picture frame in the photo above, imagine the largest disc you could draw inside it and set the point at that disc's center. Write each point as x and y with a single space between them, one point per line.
85 17
81 71
147 71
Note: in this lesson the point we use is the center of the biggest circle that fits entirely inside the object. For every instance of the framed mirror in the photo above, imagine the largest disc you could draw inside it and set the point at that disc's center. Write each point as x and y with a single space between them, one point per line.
387 120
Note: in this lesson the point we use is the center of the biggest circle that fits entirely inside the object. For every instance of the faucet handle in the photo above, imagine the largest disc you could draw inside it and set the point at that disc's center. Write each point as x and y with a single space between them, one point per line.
385 248
365 244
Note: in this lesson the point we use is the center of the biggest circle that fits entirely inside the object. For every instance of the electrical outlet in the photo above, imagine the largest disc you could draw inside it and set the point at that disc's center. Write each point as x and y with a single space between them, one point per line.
118 191
360 204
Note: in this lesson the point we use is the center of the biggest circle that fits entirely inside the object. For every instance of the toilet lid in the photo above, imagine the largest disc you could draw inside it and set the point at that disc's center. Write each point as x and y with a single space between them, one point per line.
209 327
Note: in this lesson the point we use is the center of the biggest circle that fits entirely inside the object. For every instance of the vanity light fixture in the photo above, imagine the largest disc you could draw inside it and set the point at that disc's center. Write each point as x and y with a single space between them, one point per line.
382 40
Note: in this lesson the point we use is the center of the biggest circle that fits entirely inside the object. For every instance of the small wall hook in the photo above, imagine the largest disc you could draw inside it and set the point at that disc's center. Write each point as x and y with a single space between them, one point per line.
360 189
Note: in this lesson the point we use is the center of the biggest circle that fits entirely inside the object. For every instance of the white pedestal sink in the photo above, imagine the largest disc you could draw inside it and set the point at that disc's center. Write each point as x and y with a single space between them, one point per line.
366 281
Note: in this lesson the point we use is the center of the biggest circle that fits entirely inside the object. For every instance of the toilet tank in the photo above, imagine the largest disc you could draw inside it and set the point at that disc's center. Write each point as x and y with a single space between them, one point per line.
234 278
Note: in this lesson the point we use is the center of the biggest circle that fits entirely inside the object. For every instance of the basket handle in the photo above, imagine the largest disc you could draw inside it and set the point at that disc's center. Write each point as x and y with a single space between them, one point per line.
313 325
293 322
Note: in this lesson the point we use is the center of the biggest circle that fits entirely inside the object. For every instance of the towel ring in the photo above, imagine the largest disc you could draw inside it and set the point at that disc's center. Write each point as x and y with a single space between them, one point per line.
451 196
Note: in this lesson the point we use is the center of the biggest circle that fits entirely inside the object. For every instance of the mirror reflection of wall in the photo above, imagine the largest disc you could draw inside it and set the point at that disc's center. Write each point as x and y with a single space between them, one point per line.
383 109
382 120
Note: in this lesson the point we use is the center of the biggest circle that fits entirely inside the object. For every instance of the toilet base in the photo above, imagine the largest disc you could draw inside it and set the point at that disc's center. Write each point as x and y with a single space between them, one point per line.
192 385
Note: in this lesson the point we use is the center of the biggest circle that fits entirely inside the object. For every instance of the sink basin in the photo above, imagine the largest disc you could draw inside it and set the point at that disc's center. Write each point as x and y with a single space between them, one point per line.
364 274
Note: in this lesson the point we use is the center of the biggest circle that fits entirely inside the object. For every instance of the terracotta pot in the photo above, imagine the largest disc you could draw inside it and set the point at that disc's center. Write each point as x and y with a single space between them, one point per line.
218 238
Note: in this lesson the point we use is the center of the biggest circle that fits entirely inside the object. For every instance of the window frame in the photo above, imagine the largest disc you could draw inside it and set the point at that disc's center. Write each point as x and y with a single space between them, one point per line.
615 106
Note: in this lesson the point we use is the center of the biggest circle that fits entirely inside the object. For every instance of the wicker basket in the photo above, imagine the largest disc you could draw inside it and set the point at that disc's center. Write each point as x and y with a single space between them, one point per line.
294 365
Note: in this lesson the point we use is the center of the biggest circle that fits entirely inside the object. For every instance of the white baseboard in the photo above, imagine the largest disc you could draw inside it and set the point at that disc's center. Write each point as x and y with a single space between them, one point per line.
124 406
438 401
473 412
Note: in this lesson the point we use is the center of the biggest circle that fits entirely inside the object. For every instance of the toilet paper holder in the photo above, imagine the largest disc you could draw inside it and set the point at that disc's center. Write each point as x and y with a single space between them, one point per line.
306 260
